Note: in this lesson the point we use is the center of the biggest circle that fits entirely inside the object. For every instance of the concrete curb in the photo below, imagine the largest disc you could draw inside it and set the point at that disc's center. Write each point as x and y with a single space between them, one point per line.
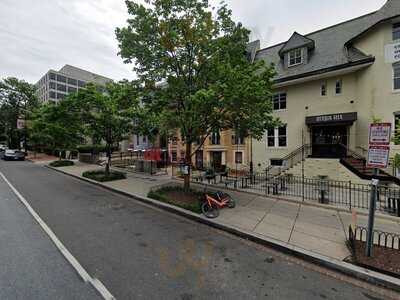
345 268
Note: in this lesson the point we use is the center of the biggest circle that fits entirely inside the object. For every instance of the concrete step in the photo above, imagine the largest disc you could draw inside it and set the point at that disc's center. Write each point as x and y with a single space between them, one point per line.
326 167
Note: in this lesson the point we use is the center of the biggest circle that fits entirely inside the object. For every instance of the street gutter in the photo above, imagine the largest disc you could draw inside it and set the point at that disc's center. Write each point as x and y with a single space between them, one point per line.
360 273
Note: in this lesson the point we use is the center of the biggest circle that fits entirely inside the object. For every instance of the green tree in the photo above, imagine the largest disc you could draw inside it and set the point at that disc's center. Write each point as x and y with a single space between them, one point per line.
17 100
108 113
199 55
59 125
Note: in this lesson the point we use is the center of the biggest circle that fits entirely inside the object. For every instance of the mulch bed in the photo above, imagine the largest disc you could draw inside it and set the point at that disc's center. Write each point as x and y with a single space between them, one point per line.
189 200
182 198
384 259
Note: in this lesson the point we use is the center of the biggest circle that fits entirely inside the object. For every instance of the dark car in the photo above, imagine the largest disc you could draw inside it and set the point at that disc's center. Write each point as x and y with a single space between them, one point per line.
13 155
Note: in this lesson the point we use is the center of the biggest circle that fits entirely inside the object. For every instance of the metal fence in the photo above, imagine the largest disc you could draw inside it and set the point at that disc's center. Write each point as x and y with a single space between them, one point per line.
339 193
380 238
131 163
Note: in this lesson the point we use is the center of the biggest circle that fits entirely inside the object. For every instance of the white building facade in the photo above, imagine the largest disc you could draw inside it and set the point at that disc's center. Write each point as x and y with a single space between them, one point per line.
331 84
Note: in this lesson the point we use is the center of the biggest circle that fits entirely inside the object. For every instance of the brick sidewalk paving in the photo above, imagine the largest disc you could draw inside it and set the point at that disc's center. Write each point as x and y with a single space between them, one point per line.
322 231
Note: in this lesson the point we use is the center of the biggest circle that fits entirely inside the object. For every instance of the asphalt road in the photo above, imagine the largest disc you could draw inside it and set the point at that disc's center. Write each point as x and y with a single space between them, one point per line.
31 267
139 252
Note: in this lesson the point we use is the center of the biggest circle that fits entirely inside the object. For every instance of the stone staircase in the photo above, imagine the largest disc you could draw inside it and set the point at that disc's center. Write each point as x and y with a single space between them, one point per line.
314 167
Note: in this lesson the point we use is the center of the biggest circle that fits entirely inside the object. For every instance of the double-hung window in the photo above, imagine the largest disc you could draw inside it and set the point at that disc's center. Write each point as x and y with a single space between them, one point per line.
238 139
279 101
396 76
277 137
238 157
396 31
215 138
282 136
397 129
339 87
295 57
324 88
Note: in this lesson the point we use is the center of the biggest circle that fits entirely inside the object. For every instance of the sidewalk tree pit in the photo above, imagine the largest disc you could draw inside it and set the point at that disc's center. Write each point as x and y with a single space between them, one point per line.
102 176
178 196
384 260
61 163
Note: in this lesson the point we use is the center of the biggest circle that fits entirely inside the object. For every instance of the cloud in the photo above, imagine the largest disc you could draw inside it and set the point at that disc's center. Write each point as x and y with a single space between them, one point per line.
39 35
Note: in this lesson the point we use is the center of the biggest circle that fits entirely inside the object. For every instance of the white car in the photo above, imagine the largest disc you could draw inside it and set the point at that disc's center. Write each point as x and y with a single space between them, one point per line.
13 155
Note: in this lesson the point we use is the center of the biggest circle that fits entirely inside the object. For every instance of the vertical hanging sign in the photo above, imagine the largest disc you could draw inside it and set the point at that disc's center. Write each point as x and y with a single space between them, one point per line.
379 140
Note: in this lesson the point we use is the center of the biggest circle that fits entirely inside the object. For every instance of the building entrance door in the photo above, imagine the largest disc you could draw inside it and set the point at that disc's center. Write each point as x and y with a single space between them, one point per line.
199 159
328 141
216 160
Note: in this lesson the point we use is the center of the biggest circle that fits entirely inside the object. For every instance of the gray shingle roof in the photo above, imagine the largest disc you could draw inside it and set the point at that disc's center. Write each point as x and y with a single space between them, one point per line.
330 50
252 49
296 41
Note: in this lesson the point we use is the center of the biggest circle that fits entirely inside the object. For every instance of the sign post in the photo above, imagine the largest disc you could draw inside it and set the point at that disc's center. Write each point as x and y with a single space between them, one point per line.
378 157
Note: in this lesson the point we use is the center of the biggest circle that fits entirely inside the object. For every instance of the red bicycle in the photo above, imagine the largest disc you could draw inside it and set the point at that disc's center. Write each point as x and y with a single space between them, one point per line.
214 201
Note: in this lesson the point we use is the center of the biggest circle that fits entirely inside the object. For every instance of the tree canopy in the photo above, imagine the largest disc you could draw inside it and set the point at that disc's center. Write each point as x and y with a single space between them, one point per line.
107 113
58 126
192 60
17 100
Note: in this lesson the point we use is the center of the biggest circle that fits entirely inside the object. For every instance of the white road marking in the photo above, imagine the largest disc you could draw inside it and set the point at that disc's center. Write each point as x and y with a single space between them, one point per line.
97 284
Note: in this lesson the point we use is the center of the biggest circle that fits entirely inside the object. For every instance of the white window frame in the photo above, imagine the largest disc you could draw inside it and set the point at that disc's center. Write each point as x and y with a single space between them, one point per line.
324 84
341 87
394 66
295 53
395 115
279 95
276 138
395 29
215 138
234 157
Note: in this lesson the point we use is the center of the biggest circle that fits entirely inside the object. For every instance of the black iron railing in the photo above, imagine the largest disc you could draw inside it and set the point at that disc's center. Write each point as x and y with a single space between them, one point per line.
380 238
337 193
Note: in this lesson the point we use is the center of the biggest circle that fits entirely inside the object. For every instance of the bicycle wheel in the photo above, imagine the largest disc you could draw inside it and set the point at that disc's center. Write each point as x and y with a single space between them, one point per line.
210 212
231 203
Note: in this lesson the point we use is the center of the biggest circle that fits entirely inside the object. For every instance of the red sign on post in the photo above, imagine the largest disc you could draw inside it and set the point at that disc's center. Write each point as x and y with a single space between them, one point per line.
379 134
379 141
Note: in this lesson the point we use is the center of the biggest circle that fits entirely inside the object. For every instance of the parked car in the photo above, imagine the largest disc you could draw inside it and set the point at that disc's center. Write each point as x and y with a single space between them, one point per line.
13 155
3 147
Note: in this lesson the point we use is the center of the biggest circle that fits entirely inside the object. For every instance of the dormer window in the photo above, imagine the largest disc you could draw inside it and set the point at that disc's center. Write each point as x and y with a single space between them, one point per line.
295 57
297 50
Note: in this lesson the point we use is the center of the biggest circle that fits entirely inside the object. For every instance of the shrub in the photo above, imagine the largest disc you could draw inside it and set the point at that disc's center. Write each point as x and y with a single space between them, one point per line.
175 195
61 163
100 175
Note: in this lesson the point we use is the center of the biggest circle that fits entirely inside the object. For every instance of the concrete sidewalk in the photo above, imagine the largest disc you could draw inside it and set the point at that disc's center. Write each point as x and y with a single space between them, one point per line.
321 231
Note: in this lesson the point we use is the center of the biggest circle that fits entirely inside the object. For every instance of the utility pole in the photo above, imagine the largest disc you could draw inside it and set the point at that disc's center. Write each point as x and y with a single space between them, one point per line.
378 157
371 216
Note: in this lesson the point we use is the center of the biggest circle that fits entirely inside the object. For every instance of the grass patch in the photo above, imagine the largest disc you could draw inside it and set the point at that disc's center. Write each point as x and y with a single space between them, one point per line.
61 163
100 175
189 200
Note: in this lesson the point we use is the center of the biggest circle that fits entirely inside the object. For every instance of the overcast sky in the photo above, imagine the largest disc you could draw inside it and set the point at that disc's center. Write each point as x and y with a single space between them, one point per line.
38 35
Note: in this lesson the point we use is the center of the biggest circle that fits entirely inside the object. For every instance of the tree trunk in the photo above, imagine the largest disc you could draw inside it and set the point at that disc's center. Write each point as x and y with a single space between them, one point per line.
107 170
188 162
